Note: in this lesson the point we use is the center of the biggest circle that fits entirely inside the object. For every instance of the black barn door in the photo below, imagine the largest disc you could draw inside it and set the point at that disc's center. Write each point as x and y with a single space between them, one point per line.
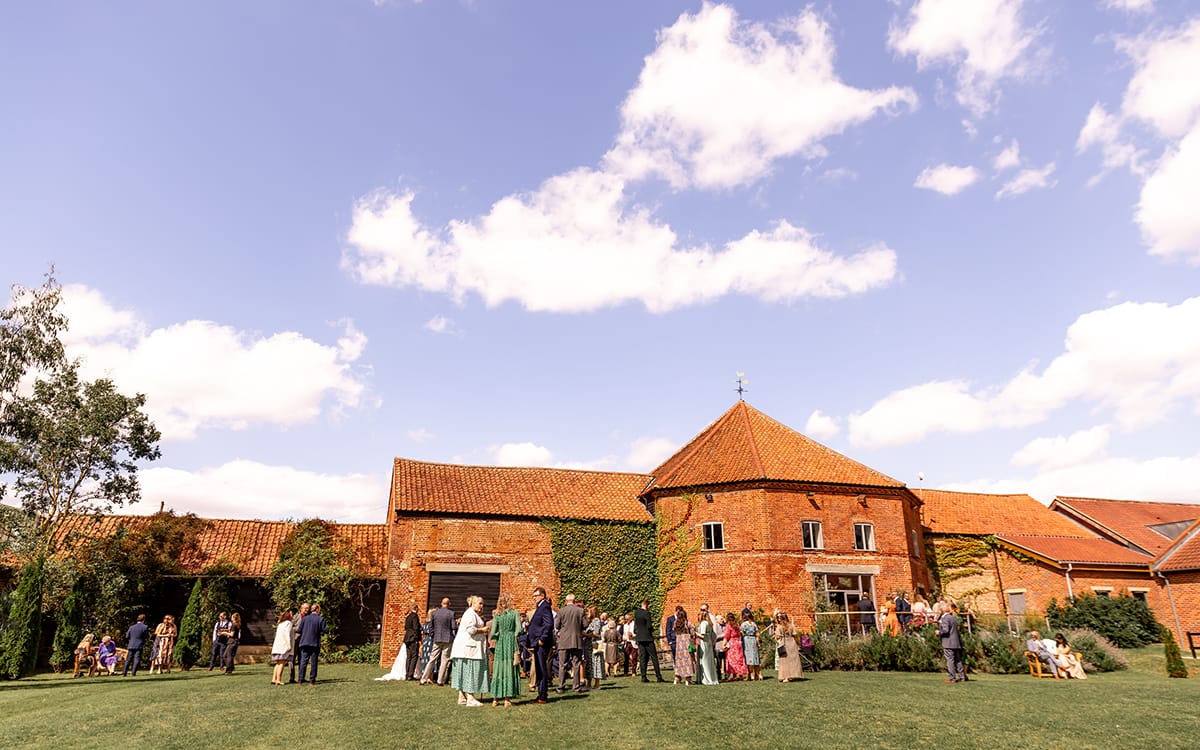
458 586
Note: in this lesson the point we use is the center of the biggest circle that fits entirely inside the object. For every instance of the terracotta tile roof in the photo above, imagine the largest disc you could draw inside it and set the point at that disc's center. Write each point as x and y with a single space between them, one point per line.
1184 552
746 445
421 487
1078 551
1128 520
948 512
251 546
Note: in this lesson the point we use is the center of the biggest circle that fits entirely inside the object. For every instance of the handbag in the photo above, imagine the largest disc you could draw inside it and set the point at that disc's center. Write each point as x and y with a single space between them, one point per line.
781 651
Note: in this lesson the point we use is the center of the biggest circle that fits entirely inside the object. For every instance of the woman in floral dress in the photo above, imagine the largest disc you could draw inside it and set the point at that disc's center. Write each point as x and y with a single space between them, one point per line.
593 647
164 645
506 662
735 660
685 648
426 641
750 647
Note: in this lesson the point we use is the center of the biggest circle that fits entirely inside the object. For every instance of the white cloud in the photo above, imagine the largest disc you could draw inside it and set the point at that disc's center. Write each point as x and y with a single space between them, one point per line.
821 426
986 39
200 374
520 454
1008 158
1166 210
1163 96
247 489
720 99
576 245
1139 360
1063 451
441 324
947 179
1130 6
648 453
420 435
1028 179
1165 478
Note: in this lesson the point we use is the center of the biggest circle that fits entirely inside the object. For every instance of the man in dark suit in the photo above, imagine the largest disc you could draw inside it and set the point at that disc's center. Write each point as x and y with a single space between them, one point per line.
903 611
443 636
135 640
220 638
569 639
670 631
643 631
312 627
300 615
412 642
541 639
866 610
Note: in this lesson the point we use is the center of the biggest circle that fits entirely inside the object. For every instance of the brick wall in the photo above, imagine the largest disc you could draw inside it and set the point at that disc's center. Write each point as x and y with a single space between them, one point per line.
1185 593
520 547
1043 583
764 560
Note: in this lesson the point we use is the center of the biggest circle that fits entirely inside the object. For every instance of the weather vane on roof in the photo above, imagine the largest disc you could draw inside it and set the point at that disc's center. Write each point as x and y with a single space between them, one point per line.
742 382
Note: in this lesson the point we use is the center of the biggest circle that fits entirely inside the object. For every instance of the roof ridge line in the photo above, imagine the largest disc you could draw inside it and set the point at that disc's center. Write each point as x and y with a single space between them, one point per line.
762 470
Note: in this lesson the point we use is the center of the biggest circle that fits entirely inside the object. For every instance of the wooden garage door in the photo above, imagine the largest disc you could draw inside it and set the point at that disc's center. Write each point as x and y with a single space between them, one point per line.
458 586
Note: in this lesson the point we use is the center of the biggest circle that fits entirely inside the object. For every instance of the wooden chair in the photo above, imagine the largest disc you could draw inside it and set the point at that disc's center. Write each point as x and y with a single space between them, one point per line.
1035 666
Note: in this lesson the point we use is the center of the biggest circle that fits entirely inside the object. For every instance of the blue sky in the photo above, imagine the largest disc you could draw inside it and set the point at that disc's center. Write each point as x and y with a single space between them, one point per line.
940 237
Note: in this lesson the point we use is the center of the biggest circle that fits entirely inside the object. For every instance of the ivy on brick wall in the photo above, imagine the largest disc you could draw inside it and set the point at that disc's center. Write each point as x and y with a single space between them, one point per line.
677 544
610 563
957 556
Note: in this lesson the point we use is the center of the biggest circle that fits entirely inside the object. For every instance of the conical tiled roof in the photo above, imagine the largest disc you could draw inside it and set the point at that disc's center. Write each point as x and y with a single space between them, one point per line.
746 445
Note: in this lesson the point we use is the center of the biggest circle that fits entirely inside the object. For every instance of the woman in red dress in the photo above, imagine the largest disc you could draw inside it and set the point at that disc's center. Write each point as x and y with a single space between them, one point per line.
735 658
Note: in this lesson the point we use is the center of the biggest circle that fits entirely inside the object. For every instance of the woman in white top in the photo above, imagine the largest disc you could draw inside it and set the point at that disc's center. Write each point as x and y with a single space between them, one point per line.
468 655
281 650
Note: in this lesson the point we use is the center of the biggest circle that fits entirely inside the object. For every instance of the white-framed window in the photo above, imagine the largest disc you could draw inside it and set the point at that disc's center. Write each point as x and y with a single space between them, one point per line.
813 539
1102 590
714 535
1139 594
864 537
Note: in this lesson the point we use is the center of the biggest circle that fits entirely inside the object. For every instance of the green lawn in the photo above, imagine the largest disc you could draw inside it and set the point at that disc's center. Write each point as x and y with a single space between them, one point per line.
1139 708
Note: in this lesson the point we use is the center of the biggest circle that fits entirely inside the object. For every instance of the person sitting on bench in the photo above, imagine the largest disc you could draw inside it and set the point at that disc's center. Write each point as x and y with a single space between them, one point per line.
1035 646
107 654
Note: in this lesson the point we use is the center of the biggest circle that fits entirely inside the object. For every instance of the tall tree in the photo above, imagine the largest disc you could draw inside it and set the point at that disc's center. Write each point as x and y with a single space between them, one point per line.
23 631
29 334
73 447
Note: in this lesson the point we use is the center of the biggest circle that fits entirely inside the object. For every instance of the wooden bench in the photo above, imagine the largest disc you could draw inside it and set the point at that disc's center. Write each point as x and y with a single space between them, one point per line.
93 662
1192 638
1035 667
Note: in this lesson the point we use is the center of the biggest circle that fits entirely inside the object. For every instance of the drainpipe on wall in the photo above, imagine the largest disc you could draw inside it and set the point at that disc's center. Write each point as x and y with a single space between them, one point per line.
1174 612
1070 592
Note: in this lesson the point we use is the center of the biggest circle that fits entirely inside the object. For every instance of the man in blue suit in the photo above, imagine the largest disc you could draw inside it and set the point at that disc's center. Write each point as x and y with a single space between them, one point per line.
312 627
135 640
541 639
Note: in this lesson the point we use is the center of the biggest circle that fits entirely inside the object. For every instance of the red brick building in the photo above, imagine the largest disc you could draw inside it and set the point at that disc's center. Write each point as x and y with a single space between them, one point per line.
455 531
1077 546
784 519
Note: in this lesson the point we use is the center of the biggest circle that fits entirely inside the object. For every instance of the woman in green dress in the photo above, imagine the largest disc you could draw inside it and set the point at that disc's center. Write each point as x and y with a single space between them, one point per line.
706 662
506 664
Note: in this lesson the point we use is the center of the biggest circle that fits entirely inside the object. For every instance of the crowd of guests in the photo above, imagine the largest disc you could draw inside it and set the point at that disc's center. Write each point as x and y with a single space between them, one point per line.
105 655
576 646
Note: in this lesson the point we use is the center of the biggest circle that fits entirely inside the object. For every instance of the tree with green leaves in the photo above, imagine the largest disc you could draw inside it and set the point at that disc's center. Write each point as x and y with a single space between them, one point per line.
191 630
23 631
314 566
1175 665
74 447
69 632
